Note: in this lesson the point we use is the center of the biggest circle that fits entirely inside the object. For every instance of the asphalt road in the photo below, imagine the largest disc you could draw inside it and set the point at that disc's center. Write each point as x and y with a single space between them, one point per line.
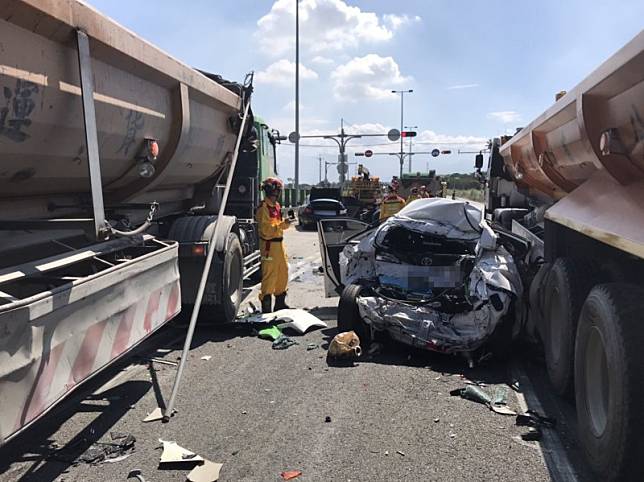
261 411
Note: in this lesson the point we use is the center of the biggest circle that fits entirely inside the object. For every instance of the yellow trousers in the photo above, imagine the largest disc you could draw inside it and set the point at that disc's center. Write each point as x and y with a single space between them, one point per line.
274 269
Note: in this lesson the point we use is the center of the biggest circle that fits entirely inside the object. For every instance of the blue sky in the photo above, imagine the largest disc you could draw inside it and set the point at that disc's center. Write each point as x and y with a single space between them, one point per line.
478 68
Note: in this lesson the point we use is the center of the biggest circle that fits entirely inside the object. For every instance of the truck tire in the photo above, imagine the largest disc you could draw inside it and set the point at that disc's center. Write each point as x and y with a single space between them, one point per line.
349 318
609 393
231 283
568 284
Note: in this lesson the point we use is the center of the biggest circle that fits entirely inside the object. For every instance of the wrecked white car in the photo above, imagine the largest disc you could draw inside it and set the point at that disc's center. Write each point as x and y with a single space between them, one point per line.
435 276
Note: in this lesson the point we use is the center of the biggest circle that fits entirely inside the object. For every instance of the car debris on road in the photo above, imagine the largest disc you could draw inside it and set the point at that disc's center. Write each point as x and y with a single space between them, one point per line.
345 345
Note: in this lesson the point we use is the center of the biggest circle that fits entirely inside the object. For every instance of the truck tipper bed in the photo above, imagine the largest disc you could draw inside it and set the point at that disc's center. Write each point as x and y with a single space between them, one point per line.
114 160
572 183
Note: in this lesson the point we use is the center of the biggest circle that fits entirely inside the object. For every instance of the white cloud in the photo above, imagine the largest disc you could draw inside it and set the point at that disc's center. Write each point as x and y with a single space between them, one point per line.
505 116
320 60
368 77
397 21
324 25
462 86
282 73
290 106
431 137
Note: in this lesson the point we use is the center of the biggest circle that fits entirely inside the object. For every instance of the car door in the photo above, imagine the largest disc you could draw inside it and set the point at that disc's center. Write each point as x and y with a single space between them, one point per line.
334 235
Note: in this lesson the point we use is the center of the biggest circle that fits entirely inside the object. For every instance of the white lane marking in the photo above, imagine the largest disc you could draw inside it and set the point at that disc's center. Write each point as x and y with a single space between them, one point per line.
554 455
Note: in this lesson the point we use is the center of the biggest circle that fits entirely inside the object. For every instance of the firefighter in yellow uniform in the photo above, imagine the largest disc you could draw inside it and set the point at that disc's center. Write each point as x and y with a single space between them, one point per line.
274 260
391 204
414 195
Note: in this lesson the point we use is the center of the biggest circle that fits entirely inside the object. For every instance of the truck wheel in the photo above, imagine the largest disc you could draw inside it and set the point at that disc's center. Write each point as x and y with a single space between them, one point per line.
349 316
231 283
567 286
609 393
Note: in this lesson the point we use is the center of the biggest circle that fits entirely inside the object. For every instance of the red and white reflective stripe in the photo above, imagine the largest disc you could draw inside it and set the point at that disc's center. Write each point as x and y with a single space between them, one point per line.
75 355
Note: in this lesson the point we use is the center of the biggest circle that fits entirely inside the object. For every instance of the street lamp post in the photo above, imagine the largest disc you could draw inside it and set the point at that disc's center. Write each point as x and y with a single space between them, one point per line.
402 110
410 128
297 99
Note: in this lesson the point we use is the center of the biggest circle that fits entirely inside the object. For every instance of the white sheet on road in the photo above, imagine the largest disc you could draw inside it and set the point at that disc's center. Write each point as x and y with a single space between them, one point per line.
299 320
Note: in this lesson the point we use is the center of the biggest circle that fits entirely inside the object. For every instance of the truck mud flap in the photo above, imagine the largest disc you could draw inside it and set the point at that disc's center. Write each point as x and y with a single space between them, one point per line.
52 341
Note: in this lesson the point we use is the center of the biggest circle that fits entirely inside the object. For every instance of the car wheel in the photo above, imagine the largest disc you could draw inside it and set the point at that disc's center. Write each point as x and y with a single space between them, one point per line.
349 318
568 284
609 393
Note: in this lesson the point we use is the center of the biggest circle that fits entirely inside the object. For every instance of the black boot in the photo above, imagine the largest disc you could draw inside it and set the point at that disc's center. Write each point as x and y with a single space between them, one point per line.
267 301
280 302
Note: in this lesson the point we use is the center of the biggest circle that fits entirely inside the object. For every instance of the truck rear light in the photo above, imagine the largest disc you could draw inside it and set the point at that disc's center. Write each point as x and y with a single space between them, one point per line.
199 250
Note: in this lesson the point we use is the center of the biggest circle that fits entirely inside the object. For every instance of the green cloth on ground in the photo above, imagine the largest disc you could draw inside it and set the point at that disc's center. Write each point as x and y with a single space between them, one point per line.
270 333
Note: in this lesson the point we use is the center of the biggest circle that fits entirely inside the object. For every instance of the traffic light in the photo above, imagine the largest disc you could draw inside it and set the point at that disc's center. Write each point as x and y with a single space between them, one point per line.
408 134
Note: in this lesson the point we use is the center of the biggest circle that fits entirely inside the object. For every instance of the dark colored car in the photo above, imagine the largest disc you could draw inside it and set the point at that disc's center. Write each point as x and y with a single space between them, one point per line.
318 209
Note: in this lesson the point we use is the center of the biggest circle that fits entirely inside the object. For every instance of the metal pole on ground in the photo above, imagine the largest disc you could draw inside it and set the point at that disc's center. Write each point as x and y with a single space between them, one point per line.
204 274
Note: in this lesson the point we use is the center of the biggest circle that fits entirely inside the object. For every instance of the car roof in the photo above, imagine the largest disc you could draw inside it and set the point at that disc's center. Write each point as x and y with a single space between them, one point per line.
326 200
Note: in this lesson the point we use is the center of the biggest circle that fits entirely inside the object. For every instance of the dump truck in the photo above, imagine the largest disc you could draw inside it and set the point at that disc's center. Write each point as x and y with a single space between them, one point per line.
572 184
115 162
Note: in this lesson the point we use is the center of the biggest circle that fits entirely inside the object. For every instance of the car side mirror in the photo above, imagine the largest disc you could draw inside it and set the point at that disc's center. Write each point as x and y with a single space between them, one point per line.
478 162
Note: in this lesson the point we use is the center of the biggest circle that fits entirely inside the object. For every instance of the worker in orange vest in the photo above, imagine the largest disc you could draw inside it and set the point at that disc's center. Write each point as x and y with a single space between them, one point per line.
391 204
274 261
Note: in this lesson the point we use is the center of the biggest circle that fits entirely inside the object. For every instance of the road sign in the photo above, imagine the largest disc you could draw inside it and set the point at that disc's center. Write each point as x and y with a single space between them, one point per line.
368 153
342 168
293 137
393 135
435 152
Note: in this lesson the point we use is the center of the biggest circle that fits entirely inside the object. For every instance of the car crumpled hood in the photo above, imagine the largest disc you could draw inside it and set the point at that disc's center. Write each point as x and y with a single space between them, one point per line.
487 288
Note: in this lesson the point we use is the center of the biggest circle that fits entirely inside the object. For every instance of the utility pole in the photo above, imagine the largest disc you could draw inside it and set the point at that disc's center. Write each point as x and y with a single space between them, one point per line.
320 168
402 107
341 140
410 128
297 100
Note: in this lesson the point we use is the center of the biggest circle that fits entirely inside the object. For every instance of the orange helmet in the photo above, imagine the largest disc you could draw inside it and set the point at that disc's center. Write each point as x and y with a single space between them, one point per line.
272 186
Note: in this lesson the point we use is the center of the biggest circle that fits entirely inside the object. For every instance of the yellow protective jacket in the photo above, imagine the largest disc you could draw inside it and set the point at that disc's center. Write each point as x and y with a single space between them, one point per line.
412 197
269 219
391 205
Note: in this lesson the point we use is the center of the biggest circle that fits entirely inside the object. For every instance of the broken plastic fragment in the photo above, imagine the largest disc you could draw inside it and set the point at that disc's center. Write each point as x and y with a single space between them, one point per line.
533 434
283 342
173 453
206 357
534 419
290 474
270 333
206 472
502 410
156 414
474 393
